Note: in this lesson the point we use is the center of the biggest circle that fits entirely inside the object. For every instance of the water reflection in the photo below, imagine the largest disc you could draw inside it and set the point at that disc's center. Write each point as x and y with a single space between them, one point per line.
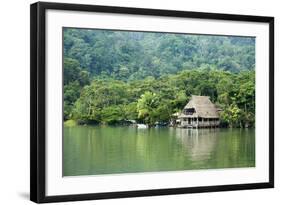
104 150
199 143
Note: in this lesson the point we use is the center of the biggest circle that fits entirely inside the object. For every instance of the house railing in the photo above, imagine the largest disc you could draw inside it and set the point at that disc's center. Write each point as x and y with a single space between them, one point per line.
200 123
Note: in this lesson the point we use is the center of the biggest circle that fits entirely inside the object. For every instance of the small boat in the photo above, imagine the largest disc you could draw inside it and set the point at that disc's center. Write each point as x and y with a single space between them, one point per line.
141 126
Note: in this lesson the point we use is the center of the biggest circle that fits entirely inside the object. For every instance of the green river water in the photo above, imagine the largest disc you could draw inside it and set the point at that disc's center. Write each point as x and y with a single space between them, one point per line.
90 150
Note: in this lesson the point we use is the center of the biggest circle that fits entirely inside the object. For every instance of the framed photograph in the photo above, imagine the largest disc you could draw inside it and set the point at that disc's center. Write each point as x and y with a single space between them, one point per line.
129 102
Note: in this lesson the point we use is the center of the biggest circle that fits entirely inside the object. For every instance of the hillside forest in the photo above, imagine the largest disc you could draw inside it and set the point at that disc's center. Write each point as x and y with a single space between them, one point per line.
112 77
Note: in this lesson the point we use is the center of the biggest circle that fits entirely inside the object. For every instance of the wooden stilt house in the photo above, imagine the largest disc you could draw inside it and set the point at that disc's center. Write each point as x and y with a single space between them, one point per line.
199 112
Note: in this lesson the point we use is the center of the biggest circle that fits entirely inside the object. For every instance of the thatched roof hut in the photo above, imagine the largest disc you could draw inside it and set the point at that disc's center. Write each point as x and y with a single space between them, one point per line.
202 107
199 112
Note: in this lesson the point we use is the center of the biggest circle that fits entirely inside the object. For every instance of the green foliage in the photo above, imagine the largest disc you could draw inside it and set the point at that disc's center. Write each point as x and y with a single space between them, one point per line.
111 77
155 100
130 111
231 114
147 107
70 123
135 55
112 114
74 79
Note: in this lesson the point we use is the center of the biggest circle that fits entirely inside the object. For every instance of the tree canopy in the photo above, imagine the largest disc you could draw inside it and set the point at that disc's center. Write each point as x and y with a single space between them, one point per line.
155 100
135 55
114 76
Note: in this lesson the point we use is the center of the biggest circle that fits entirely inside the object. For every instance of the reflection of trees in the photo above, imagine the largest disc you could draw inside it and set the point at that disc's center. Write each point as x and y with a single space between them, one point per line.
154 150
198 143
101 150
158 150
236 148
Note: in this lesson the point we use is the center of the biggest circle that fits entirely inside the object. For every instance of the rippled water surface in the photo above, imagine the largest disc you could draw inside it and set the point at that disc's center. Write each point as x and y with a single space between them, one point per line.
90 150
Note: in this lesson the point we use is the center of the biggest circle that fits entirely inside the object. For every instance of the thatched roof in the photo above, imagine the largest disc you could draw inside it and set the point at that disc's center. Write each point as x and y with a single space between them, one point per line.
203 107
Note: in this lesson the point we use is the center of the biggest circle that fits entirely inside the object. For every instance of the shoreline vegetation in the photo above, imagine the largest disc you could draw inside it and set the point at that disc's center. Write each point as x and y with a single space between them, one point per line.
153 101
120 78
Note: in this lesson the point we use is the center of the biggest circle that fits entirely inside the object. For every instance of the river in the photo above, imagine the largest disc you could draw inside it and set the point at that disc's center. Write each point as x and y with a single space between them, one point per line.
91 150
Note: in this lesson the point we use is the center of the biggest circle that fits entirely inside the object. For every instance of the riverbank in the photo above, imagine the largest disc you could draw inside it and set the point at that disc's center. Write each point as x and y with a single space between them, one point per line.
71 123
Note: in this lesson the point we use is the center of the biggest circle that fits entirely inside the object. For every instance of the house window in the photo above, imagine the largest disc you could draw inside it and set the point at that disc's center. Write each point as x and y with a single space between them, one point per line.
189 111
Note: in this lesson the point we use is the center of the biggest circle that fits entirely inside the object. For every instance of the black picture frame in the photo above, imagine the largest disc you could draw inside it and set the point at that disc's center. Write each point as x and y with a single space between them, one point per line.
38 101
